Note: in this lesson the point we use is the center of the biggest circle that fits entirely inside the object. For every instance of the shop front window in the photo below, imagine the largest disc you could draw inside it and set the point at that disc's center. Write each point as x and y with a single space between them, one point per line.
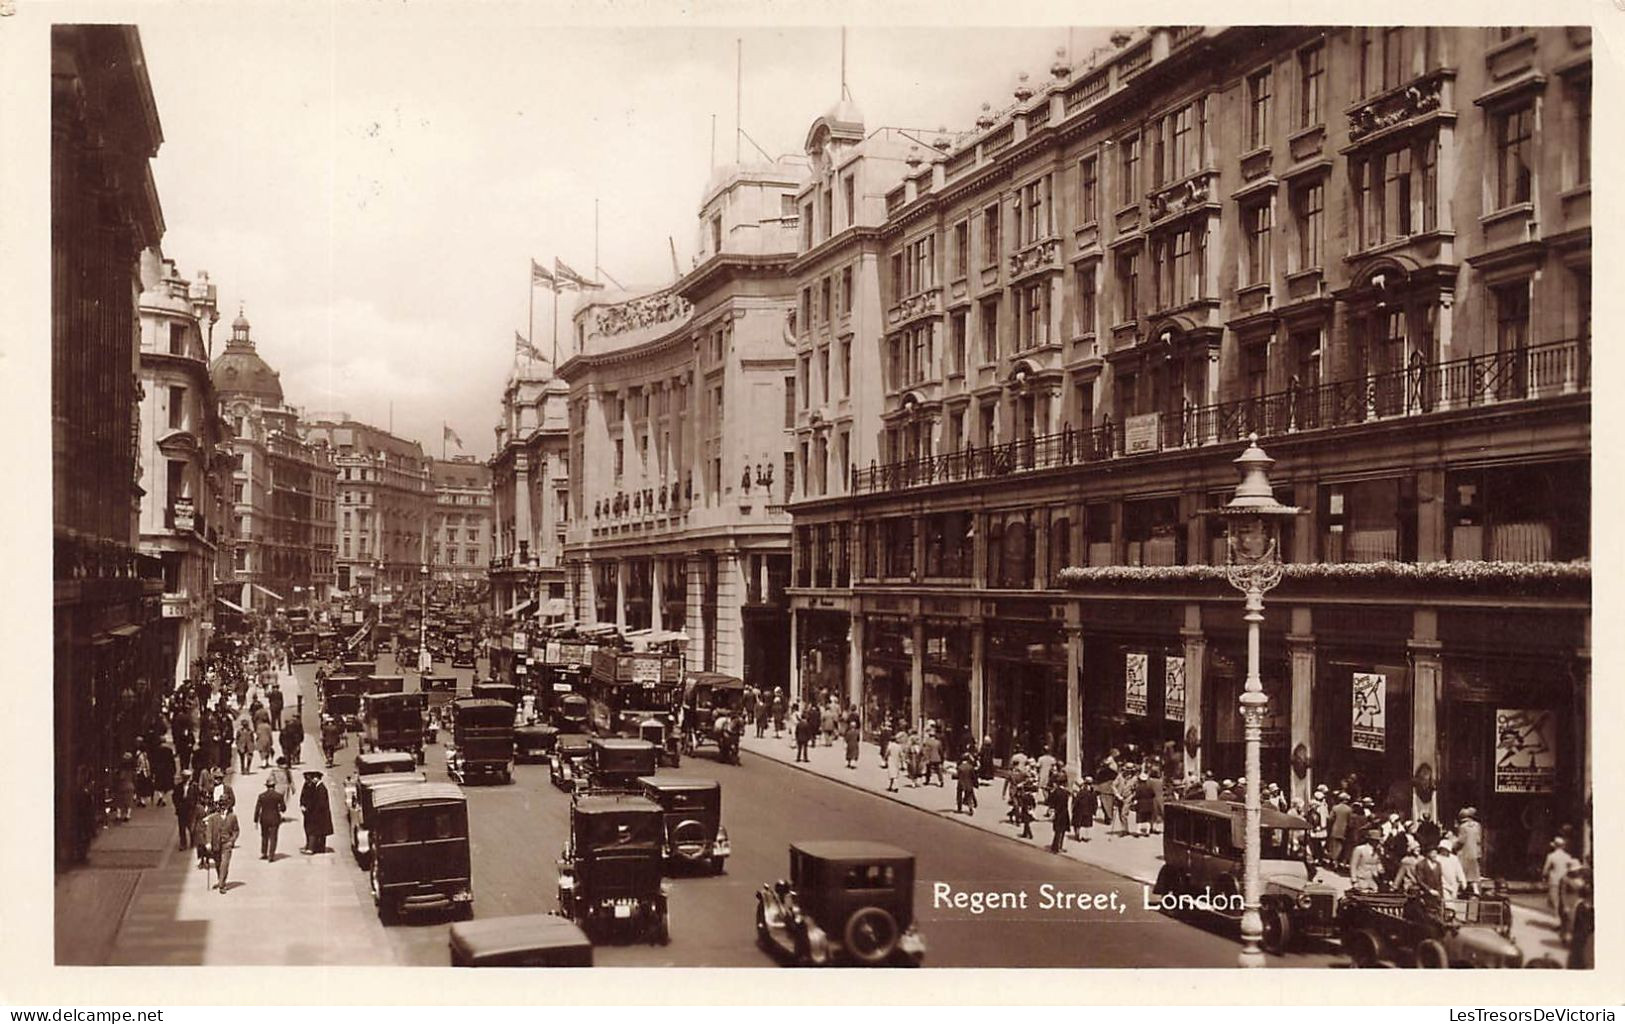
1026 686
1533 513
1369 520
1154 533
888 660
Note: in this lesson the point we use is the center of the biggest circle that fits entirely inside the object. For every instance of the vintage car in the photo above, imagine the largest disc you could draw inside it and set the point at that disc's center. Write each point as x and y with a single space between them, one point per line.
302 647
845 902
361 796
610 878
615 764
465 655
695 836
533 743
567 764
420 856
481 739
361 669
712 713
439 691
1202 851
341 701
393 721
327 643
383 762
524 940
406 651
1415 929
486 689
570 712
384 684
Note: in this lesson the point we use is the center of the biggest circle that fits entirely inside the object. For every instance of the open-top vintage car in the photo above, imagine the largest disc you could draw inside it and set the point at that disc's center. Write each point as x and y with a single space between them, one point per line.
524 940
567 764
1416 929
695 836
482 739
1202 851
381 762
712 713
610 878
393 721
615 764
533 742
362 816
420 855
846 901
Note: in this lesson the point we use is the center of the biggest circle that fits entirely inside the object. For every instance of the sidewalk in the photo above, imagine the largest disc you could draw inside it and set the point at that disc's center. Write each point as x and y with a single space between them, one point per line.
1132 857
141 901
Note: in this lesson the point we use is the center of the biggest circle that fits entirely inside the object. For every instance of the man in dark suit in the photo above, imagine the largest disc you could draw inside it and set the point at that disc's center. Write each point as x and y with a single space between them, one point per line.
185 797
317 814
274 699
268 816
222 830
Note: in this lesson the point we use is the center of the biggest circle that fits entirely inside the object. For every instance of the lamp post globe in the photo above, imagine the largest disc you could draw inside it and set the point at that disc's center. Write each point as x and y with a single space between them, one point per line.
1252 528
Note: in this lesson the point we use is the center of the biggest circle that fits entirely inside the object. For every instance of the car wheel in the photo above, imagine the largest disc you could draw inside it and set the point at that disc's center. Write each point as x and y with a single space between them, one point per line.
871 935
1363 947
1277 930
1431 953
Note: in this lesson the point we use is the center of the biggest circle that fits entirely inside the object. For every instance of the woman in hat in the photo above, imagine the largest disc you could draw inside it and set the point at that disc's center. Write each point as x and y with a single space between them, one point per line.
124 788
1145 803
1469 845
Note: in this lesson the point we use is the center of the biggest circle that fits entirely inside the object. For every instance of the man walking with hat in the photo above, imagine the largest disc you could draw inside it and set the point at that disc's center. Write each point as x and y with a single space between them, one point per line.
268 816
222 830
318 816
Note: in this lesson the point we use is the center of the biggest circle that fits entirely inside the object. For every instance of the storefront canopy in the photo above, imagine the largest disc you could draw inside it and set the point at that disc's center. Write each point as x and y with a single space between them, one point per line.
239 609
268 592
522 608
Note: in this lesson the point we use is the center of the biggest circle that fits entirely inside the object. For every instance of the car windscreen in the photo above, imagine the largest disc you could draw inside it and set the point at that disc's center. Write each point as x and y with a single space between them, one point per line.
869 876
642 697
420 824
687 800
610 829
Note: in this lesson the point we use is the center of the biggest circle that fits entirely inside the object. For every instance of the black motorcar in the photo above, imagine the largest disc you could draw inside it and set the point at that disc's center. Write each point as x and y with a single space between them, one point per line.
533 742
610 878
466 654
393 721
524 940
420 856
383 762
567 764
362 816
482 739
570 712
491 690
695 836
361 669
615 764
341 701
845 902
384 684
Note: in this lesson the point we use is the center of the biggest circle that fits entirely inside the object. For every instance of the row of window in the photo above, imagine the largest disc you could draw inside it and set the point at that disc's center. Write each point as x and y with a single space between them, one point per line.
821 300
816 230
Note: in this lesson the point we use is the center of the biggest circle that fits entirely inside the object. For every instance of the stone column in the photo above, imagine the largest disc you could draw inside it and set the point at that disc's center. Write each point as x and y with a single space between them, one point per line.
657 616
620 593
1300 643
521 506
978 686
916 675
854 675
1426 690
795 651
1195 690
1074 692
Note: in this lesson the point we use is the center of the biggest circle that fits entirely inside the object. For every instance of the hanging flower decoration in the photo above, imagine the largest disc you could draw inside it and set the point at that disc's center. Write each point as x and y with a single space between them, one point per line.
1500 577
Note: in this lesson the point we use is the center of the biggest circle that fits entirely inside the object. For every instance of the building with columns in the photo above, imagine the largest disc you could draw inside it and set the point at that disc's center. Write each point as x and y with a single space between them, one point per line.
678 455
187 459
1370 247
529 481
383 504
460 533
282 488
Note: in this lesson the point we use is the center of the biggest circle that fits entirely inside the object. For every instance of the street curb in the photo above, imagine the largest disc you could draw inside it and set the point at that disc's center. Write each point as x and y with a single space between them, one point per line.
967 823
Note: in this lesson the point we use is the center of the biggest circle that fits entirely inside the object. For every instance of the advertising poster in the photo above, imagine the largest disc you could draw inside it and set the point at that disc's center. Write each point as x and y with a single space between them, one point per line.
1525 751
1135 684
1173 689
1370 703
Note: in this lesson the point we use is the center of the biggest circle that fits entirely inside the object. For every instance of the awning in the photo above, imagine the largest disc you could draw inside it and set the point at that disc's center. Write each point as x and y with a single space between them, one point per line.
520 609
124 632
268 592
239 609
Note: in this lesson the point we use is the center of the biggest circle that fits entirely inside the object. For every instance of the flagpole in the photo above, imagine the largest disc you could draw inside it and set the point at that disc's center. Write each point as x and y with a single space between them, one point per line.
530 338
555 328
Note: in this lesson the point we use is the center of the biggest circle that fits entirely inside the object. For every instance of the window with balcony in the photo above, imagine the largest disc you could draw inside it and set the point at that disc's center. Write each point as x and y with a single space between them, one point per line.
1312 85
1309 216
1256 222
1088 190
1369 520
990 331
1513 131
1258 109
1128 170
957 334
1511 316
961 250
990 235
1526 513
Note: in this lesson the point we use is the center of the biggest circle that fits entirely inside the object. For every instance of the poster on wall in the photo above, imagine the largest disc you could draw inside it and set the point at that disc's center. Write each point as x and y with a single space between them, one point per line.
1525 751
1135 683
1173 689
1370 704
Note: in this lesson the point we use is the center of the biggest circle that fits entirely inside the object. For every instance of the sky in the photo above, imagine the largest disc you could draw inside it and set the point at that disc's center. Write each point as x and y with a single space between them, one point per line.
369 181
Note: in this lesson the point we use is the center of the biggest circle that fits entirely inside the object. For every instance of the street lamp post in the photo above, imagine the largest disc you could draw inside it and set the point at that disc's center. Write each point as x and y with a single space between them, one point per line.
1252 529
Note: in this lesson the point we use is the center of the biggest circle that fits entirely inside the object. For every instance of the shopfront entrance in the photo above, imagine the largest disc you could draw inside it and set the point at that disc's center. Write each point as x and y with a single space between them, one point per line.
1026 686
823 654
888 667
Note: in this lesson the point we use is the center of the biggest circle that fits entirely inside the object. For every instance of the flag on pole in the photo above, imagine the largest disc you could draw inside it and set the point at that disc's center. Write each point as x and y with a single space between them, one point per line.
539 275
524 347
568 278
449 434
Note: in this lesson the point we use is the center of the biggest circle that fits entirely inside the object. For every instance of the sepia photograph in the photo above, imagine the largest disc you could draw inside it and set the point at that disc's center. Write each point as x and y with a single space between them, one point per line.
757 496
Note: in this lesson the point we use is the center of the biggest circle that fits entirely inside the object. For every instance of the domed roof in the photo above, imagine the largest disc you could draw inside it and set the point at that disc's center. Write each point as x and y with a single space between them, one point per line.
239 370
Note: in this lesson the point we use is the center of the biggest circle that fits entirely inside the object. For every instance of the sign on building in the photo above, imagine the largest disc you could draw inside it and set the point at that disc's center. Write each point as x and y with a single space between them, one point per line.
1173 689
184 514
1370 711
1135 683
1141 433
1525 751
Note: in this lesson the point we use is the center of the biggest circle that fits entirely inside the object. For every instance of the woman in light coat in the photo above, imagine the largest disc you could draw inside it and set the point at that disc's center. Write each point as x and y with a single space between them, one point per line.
263 741
1470 845
894 765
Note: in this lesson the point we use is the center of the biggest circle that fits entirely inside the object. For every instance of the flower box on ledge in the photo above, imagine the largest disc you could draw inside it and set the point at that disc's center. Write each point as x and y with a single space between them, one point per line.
1505 578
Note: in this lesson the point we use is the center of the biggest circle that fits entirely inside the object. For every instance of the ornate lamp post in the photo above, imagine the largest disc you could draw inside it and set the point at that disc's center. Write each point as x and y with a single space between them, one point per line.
1252 529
